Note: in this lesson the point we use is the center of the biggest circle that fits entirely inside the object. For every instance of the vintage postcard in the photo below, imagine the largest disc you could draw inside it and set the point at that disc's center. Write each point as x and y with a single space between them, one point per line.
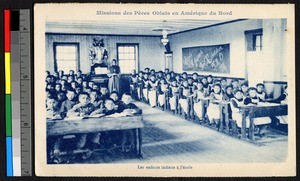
164 90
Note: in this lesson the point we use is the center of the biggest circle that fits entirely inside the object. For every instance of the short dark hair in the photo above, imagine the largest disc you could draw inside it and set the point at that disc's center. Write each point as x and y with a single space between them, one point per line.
83 93
252 88
260 84
109 99
237 90
245 84
114 92
127 94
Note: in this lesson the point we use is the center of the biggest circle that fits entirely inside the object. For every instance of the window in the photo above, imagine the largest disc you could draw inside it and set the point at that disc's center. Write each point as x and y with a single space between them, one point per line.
257 42
127 56
66 57
254 40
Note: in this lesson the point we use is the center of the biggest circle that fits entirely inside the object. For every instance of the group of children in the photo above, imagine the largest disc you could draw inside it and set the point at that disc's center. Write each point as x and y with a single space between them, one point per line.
178 90
73 95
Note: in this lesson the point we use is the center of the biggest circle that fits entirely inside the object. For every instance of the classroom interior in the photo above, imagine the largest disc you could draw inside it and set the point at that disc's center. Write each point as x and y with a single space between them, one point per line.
256 53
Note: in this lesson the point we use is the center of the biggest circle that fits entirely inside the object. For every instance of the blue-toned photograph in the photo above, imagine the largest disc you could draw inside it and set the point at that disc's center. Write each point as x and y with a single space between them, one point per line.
166 91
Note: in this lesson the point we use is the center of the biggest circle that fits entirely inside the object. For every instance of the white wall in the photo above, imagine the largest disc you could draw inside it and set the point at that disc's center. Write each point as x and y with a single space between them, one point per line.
151 51
232 33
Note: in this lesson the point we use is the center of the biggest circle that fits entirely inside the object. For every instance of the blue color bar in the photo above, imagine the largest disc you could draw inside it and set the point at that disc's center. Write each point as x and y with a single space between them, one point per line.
9 167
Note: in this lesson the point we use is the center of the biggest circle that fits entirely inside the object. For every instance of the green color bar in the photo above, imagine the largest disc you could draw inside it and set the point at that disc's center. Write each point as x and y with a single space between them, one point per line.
8 115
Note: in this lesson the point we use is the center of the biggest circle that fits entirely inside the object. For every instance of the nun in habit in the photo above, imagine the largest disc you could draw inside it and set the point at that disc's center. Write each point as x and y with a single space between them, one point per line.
114 77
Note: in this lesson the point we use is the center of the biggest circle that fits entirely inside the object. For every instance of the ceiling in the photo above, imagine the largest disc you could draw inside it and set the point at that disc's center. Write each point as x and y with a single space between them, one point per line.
126 27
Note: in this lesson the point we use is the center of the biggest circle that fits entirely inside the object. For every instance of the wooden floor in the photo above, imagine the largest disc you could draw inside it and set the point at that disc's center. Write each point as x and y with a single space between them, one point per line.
170 139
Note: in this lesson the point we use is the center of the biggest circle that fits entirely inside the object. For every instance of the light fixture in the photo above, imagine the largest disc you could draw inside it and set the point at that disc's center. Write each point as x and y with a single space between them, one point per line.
165 30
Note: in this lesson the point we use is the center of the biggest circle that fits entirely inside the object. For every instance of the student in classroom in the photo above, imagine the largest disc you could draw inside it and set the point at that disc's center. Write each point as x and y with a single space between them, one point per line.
261 92
83 108
178 80
262 122
235 104
235 84
60 97
195 78
160 75
145 86
115 97
153 83
140 85
184 76
206 87
213 110
126 106
104 94
168 79
228 93
282 99
69 103
223 84
94 98
185 93
133 84
174 91
244 88
162 89
52 109
198 95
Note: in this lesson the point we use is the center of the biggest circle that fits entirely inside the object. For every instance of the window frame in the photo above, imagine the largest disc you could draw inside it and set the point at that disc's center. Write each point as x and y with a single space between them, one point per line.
55 44
260 47
136 48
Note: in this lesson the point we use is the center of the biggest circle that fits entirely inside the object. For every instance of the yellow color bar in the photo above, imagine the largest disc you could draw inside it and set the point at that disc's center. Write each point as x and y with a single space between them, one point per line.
7 73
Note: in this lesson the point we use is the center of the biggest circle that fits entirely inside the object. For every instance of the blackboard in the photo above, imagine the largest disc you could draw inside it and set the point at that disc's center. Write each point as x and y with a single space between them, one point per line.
213 58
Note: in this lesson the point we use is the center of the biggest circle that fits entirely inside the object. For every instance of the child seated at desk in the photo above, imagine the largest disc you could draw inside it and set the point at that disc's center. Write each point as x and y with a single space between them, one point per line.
235 104
199 94
145 86
94 98
174 90
52 110
69 103
83 108
162 89
186 91
282 99
103 95
115 97
130 109
228 93
261 92
133 84
152 91
127 106
260 122
213 110
244 88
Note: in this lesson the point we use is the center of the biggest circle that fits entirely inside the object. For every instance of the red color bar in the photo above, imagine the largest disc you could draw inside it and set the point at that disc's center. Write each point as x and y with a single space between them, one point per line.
7 30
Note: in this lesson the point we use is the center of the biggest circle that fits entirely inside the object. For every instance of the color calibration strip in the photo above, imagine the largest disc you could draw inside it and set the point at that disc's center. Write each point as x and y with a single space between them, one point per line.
8 108
17 93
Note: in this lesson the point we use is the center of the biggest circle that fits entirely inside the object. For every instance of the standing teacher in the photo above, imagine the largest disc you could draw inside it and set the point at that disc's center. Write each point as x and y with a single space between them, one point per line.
114 77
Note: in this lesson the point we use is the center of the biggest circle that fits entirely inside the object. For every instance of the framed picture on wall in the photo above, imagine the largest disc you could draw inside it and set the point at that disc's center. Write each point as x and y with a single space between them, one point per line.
214 58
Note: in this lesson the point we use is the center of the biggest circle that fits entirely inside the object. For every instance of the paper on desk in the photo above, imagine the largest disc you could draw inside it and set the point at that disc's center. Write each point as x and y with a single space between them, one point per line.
117 115
96 116
267 104
73 118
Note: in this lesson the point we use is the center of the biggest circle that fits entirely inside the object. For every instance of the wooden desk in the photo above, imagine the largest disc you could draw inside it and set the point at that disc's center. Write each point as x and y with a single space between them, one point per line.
265 110
90 125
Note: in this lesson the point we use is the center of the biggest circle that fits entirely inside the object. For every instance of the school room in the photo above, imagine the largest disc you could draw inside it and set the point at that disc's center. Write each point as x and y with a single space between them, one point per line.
167 91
